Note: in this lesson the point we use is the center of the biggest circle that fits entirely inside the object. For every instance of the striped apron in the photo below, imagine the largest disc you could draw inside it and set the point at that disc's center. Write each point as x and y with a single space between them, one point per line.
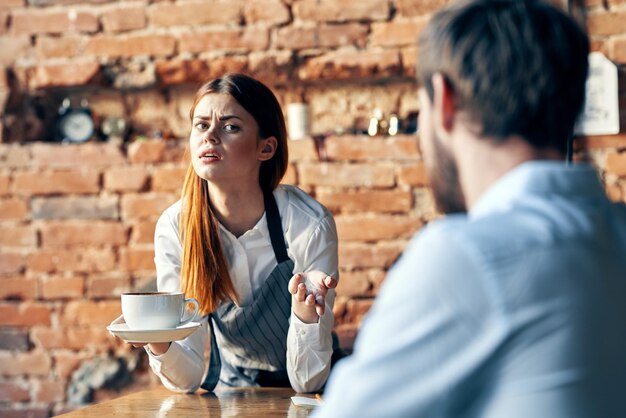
253 338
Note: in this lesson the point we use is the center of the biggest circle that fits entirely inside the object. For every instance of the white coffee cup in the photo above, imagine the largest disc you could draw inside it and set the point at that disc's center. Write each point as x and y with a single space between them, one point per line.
156 310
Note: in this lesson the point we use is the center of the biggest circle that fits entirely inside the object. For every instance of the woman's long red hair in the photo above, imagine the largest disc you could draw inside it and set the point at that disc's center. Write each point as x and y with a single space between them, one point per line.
204 272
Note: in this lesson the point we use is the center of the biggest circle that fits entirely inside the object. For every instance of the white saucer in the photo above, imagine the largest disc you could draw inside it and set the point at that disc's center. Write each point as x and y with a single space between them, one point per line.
152 335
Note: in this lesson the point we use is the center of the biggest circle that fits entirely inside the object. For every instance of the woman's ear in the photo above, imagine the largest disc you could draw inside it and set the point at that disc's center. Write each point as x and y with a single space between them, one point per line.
267 148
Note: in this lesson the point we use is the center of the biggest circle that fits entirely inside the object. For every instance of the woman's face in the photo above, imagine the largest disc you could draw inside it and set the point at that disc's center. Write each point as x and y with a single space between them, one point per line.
224 141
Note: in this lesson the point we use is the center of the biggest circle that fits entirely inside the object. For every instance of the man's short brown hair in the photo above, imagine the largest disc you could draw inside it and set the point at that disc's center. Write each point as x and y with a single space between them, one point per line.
517 67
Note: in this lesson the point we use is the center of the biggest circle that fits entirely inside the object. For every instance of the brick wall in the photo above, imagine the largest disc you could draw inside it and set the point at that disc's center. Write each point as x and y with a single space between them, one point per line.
76 222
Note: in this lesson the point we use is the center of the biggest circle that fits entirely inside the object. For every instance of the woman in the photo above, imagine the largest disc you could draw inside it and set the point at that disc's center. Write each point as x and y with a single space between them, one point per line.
234 241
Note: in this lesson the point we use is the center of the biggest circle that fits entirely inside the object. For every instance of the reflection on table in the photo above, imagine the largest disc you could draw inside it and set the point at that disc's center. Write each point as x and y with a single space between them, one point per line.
223 403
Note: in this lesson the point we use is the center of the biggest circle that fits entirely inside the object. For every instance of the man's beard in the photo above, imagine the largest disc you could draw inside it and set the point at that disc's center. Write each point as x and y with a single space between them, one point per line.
444 181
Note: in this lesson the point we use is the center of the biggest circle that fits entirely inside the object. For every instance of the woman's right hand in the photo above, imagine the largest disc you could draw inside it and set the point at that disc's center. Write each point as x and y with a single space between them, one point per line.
155 348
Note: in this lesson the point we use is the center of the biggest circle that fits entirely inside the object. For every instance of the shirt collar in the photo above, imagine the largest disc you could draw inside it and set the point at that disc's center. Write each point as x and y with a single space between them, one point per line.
538 178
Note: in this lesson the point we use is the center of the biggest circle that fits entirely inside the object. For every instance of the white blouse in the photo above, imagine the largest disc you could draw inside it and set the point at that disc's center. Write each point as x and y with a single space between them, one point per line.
311 238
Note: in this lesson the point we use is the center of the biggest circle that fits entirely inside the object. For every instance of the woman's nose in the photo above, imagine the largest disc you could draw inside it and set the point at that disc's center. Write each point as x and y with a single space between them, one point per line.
211 135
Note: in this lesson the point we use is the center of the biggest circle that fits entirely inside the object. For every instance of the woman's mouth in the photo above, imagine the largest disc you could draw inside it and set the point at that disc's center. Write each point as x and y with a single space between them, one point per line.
210 155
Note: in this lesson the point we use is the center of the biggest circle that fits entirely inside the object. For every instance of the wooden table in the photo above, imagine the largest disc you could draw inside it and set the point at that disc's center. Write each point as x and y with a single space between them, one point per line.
223 403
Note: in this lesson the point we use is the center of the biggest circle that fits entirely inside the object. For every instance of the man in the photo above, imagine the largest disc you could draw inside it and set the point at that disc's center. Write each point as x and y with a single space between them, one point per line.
514 305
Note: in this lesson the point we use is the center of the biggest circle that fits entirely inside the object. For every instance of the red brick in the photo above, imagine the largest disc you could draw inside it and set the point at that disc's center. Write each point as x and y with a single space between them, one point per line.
13 208
195 13
343 35
90 313
71 337
150 151
5 181
108 285
354 284
4 16
409 60
418 7
249 39
413 175
56 182
291 176
606 23
130 46
334 11
616 164
168 179
83 155
297 37
346 175
266 11
599 142
24 412
14 48
375 228
89 337
50 391
66 362
365 148
87 260
383 201
126 179
17 236
83 233
357 309
141 206
76 73
271 67
14 392
618 54
124 18
11 4
346 334
34 363
24 314
196 71
14 156
342 65
302 150
599 45
142 232
55 47
11 262
397 32
134 260
47 338
381 255
62 287
21 288
35 21
75 207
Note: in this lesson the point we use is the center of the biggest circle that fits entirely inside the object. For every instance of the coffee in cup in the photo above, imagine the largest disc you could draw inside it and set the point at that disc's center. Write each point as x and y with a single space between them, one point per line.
156 310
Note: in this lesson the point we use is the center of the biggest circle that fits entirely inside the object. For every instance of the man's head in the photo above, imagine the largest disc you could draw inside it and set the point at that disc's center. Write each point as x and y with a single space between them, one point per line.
512 68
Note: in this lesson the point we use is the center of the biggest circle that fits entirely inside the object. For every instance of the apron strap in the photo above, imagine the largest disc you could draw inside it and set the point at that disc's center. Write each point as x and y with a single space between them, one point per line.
275 227
215 362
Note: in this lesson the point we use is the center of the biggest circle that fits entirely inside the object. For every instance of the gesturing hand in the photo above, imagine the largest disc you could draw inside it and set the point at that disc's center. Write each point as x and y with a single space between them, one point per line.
308 292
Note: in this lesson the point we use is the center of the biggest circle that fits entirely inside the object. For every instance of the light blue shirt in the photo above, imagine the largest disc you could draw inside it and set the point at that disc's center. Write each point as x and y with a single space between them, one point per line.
515 310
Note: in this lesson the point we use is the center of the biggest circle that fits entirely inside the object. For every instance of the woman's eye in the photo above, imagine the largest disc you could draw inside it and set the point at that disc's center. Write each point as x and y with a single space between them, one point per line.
229 127
202 126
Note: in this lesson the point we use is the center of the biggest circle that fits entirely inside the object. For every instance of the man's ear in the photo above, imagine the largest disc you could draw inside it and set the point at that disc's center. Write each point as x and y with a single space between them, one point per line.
267 148
443 102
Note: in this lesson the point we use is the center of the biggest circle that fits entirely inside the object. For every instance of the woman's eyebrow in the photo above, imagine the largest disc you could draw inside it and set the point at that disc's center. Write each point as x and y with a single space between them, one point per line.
221 118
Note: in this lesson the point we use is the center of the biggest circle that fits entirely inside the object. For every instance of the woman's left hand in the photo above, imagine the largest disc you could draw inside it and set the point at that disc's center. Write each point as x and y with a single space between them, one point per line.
309 304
